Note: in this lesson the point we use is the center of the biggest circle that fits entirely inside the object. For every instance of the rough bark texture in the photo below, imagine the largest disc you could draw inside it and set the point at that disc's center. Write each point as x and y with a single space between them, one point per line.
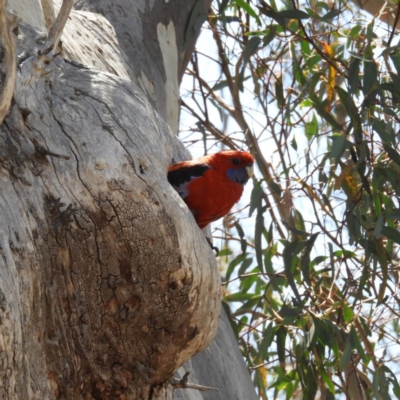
219 366
155 38
107 286
95 245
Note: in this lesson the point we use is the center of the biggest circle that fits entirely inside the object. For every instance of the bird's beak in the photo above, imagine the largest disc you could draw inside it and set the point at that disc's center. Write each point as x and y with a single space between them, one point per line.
250 171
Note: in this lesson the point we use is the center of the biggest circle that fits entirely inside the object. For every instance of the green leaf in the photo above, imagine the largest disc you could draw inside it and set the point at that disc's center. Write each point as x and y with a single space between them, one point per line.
317 260
220 85
226 251
346 100
258 231
279 92
348 351
347 313
365 325
299 221
356 344
251 47
380 127
276 188
293 14
395 57
311 384
393 380
246 7
196 20
313 334
305 259
391 233
270 12
245 264
280 343
393 214
320 107
305 48
330 15
344 254
312 127
292 312
282 382
270 36
353 79
299 345
380 385
370 77
327 380
222 6
256 197
289 253
392 153
338 146
266 342
394 179
235 262
243 242
355 30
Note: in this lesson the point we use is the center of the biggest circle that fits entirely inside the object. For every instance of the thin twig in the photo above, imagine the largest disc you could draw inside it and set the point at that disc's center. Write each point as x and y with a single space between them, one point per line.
207 124
9 41
48 13
184 384
239 117
57 28
214 95
396 20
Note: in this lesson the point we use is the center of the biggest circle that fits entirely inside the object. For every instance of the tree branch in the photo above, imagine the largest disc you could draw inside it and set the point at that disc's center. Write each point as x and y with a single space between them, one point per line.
183 384
7 36
48 13
220 136
57 28
237 113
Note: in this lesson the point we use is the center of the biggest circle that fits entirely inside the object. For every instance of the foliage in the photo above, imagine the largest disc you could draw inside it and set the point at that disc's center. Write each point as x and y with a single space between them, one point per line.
312 89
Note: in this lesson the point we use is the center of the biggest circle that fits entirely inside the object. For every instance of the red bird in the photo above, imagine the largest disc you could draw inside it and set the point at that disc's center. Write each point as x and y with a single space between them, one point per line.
212 184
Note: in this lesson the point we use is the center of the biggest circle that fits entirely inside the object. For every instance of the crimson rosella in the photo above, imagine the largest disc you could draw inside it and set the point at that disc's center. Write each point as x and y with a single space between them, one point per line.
212 184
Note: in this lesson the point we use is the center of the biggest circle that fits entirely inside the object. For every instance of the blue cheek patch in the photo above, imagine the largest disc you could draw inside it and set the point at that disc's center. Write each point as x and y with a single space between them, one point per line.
237 175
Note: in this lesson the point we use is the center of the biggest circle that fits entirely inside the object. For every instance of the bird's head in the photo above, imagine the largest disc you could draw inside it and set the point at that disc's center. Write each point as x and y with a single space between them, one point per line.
238 165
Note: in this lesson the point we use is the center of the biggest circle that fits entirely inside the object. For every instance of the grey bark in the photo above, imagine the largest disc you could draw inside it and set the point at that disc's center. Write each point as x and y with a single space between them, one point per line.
107 286
220 366
105 273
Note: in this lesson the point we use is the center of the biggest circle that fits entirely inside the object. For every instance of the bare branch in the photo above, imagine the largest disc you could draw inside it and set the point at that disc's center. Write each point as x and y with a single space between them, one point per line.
57 28
48 13
9 43
183 384
218 99
237 113
395 24
220 136
383 9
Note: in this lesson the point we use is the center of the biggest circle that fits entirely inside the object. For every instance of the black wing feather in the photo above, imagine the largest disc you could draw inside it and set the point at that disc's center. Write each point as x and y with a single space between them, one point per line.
186 174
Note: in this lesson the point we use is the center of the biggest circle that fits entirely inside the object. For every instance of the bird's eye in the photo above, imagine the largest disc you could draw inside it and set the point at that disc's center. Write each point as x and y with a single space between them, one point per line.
235 161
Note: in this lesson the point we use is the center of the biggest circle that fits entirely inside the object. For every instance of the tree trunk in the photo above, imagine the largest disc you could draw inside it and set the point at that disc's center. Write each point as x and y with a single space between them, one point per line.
107 285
